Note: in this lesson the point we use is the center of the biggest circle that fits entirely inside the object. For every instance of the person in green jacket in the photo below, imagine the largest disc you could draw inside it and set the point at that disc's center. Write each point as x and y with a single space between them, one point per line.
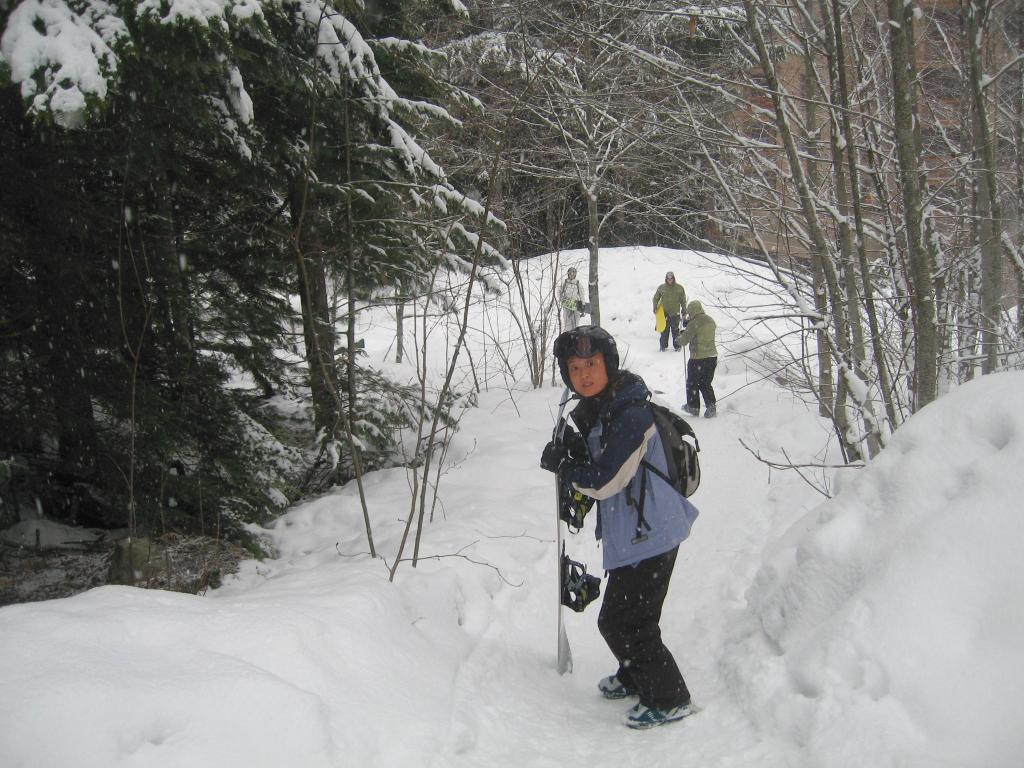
672 297
700 370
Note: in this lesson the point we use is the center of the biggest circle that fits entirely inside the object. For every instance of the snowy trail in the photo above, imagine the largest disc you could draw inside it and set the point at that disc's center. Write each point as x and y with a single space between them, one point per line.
508 699
822 639
510 706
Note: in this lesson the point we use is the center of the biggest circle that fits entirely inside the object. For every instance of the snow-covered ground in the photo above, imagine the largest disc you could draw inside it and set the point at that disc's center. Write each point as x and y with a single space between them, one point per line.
883 627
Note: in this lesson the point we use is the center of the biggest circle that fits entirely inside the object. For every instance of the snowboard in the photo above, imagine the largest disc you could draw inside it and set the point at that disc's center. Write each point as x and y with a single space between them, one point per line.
564 651
660 321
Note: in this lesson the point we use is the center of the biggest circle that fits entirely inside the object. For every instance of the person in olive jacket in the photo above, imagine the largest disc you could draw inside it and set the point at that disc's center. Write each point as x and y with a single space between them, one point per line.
672 297
700 370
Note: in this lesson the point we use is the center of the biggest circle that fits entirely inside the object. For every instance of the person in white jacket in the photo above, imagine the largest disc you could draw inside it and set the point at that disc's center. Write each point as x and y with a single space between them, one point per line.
570 297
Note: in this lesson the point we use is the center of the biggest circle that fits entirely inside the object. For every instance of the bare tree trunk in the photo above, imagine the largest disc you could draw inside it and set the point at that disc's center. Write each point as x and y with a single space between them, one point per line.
399 326
133 340
882 187
317 330
837 140
908 151
820 248
842 90
317 319
826 379
350 333
590 186
977 14
593 242
317 327
1019 145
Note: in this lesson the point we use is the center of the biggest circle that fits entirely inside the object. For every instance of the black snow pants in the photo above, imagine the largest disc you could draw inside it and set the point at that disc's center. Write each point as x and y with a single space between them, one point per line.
629 623
699 374
671 327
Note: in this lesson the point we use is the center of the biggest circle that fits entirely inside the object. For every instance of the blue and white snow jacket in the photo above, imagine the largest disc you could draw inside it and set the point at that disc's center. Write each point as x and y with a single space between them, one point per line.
620 433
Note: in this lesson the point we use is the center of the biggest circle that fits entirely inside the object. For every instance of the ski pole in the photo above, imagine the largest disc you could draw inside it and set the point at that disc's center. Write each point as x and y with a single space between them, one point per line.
686 375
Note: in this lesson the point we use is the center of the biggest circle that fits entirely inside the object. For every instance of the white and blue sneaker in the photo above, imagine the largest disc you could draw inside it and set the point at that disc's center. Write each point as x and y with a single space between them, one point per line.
613 688
641 717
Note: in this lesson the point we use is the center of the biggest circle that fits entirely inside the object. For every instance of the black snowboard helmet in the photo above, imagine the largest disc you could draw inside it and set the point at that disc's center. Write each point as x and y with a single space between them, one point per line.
586 341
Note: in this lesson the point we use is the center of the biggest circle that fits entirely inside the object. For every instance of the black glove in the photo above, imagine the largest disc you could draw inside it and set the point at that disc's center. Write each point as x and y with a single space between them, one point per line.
553 456
577 446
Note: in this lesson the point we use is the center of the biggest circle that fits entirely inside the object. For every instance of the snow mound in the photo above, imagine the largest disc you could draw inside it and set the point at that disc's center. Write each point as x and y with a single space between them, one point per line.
889 624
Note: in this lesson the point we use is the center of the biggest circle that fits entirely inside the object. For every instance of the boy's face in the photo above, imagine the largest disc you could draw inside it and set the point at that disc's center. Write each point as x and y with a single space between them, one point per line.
588 375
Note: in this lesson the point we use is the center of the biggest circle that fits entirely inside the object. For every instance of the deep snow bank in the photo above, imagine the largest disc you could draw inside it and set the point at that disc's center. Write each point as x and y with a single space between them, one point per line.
887 627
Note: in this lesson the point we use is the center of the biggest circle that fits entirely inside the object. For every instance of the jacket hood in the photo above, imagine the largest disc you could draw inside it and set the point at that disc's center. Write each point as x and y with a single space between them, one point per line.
694 308
628 386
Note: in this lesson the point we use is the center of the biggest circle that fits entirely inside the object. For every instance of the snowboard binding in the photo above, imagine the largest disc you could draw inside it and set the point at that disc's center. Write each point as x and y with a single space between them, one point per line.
573 507
579 588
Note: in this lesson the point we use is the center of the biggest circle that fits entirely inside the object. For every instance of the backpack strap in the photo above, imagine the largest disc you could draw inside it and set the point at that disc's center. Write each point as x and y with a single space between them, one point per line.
621 407
657 471
641 522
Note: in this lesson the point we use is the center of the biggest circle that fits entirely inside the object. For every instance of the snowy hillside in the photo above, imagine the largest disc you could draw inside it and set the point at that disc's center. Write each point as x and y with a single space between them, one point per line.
883 627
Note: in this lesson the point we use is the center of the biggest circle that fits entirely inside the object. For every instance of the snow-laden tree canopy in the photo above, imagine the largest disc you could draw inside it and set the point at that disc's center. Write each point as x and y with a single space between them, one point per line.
66 58
62 59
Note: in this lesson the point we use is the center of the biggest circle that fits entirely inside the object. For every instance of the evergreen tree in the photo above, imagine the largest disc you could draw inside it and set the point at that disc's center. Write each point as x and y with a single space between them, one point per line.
163 203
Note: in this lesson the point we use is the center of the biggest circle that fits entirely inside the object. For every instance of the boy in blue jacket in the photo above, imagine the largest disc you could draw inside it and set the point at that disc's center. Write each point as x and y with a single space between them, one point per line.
641 519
